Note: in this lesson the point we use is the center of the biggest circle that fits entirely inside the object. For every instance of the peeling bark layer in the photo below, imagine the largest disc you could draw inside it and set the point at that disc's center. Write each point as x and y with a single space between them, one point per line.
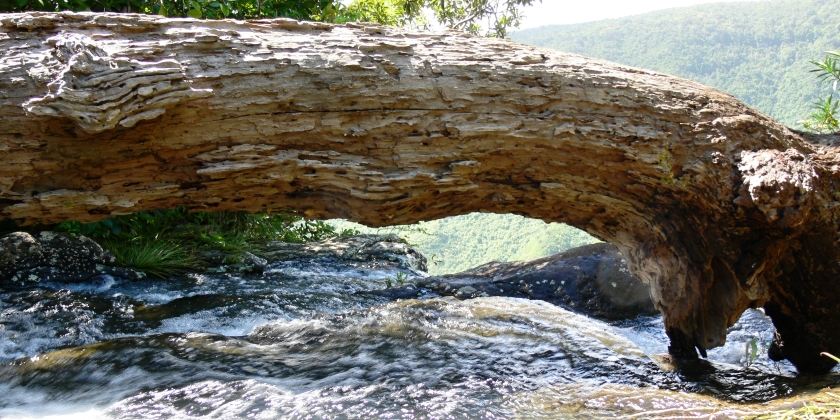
715 205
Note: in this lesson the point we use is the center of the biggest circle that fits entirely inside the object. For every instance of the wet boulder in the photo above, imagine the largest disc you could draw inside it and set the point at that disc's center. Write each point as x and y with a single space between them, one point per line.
371 251
50 256
593 280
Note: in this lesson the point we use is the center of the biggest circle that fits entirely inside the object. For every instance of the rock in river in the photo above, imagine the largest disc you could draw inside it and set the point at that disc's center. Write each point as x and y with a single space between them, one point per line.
372 250
592 280
50 256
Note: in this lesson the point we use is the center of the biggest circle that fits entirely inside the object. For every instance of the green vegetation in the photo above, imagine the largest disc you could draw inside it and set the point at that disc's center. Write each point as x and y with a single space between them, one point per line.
758 51
320 10
751 351
459 243
166 242
155 258
826 408
487 17
491 17
824 119
398 281
831 356
825 405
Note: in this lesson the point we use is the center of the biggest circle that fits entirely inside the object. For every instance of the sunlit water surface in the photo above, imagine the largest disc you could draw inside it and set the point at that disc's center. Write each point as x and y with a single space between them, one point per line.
317 341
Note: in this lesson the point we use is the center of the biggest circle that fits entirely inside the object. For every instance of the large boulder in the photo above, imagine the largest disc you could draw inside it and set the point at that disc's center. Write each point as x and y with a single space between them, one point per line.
49 256
371 250
593 280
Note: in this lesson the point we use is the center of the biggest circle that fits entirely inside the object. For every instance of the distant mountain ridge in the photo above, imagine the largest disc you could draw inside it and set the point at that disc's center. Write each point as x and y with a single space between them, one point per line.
757 51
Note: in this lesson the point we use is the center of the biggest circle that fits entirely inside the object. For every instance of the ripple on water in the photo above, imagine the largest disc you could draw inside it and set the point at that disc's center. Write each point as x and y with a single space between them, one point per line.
431 358
68 314
317 346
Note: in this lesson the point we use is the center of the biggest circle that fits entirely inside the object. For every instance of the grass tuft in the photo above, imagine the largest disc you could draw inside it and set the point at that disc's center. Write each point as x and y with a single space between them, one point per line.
155 258
167 242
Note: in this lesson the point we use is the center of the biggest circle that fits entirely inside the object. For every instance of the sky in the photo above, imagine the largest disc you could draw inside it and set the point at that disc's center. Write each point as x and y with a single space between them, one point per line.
558 12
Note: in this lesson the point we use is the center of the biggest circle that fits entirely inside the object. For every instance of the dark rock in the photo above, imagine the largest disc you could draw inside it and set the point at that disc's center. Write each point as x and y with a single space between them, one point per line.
372 250
409 291
49 256
27 259
183 306
251 264
244 263
120 272
593 280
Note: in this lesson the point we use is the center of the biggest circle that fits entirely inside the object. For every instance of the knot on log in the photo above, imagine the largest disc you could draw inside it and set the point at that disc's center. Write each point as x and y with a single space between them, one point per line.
99 91
779 184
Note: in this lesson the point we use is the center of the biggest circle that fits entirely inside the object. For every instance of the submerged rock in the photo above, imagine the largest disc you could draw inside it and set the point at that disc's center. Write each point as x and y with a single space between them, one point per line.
592 280
50 256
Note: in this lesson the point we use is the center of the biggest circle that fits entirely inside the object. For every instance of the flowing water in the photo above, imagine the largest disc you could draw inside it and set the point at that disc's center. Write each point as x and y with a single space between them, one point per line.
318 341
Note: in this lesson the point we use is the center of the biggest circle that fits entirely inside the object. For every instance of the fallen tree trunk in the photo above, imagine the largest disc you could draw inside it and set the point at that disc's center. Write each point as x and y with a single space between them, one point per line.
715 205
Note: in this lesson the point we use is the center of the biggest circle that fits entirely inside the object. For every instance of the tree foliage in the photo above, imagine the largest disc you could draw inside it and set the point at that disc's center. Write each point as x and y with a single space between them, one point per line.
494 17
824 119
321 10
455 244
490 17
759 52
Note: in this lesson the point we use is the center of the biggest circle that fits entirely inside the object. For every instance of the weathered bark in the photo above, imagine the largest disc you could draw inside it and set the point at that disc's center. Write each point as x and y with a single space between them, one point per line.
714 204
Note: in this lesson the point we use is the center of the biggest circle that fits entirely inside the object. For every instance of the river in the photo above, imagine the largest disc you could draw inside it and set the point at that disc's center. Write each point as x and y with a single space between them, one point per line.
316 340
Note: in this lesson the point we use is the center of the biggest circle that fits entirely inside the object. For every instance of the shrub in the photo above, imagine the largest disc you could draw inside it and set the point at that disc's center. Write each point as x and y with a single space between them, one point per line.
165 242
826 115
155 258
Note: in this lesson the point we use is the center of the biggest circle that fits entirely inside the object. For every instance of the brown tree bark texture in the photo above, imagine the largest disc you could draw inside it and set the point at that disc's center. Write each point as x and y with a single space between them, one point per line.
715 205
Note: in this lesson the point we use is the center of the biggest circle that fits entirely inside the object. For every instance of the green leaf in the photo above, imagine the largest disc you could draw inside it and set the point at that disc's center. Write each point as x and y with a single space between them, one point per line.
830 356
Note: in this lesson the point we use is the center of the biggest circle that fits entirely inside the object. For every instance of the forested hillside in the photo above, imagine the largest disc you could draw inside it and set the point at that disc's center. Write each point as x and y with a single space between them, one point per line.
757 51
458 243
